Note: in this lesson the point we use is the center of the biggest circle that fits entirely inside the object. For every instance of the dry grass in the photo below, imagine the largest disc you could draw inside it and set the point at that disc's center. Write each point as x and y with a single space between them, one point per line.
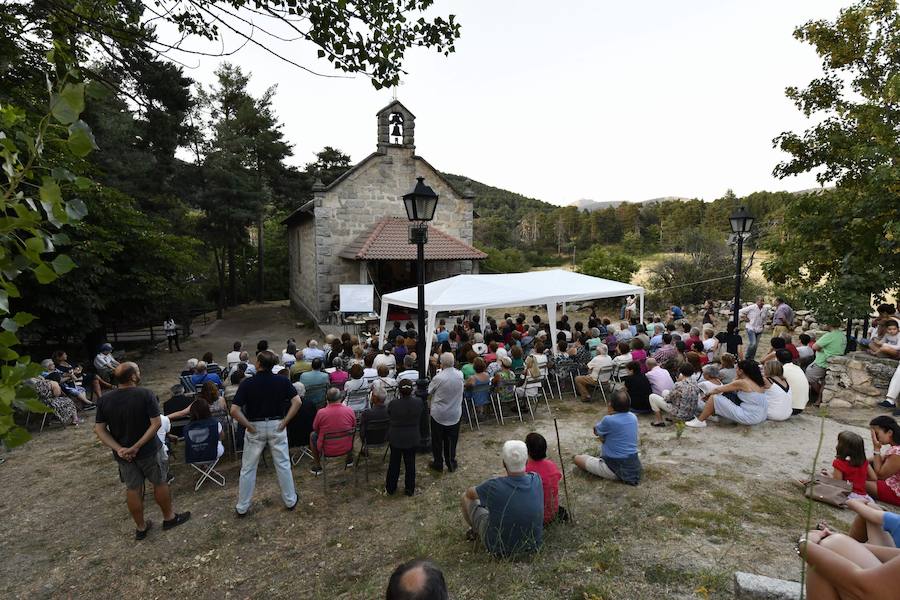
712 502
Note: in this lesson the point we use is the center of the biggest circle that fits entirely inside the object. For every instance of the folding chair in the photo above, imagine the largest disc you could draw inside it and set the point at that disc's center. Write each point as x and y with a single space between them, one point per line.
506 394
616 376
603 377
533 385
188 385
325 454
376 437
480 395
358 400
201 442
316 393
545 377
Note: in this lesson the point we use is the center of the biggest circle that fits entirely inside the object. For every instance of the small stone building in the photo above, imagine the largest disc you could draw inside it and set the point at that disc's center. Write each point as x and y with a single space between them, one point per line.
355 229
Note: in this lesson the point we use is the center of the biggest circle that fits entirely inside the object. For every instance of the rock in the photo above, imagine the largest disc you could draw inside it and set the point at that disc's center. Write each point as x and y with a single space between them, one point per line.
839 404
813 325
801 313
758 587
798 330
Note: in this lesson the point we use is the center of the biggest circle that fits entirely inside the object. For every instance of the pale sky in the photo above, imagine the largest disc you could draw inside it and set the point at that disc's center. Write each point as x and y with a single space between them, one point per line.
575 99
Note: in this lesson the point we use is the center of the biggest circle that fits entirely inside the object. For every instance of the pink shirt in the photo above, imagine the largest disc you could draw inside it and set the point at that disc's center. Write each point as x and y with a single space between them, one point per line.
550 476
660 380
893 481
339 378
333 418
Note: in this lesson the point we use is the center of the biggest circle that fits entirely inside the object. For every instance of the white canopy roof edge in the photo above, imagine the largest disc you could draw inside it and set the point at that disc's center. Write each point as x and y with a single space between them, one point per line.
469 292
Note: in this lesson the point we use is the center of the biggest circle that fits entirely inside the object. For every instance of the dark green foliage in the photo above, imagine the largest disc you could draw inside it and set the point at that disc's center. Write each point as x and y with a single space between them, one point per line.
842 247
609 263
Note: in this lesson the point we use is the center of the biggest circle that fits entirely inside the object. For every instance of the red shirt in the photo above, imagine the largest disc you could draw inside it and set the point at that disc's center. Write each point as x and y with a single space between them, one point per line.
339 378
793 350
331 419
550 476
855 475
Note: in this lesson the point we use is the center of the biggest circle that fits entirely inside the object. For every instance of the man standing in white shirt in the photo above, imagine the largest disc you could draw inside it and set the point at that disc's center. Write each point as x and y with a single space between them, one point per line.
756 315
233 357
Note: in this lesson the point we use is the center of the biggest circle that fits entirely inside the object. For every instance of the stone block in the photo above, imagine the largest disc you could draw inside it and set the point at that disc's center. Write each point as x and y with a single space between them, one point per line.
748 586
838 403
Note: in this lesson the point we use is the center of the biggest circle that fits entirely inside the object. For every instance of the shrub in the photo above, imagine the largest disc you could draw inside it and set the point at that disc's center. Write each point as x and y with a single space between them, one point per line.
609 264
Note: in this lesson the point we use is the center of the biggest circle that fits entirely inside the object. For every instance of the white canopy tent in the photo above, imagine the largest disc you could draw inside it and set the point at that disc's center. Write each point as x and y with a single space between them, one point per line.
480 292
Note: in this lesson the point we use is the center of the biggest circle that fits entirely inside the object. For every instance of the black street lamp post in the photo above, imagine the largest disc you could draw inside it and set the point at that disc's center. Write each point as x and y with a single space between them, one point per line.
420 204
741 222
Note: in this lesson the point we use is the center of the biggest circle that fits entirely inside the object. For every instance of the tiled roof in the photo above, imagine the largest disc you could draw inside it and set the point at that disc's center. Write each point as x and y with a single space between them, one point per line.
388 239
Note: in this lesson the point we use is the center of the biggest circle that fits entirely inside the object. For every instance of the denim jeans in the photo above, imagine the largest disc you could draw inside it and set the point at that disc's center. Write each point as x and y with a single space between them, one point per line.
254 444
752 342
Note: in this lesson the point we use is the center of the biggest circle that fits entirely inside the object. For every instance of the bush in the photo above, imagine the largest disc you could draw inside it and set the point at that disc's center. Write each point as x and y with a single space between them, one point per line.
609 264
509 260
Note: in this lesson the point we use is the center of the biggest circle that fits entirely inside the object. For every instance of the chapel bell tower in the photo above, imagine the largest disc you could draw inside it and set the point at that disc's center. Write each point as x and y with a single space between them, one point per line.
396 127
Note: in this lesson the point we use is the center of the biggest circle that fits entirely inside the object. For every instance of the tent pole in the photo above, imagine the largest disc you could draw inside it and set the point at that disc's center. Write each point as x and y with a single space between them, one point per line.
382 334
432 318
564 309
551 316
642 307
483 318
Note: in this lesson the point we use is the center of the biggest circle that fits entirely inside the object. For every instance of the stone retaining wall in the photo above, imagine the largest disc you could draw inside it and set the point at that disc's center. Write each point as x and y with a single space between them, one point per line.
857 380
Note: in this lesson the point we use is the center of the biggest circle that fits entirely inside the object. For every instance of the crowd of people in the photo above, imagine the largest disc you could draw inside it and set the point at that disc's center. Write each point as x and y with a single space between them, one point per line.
320 398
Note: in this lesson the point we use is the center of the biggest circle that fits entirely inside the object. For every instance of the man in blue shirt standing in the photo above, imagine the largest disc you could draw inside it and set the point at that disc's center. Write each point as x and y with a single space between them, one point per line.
507 513
618 433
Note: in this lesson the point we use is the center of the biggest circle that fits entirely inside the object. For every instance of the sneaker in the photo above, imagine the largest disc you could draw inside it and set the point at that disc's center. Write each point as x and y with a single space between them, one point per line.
140 534
239 515
316 471
180 518
349 464
695 422
294 505
887 404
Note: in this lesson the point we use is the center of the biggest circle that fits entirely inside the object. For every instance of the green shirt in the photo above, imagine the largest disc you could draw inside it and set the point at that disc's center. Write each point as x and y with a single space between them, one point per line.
467 370
831 344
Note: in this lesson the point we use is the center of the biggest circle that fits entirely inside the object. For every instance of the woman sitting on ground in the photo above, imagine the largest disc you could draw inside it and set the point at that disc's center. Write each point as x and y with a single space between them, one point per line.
749 386
885 432
51 394
726 368
843 569
778 392
638 387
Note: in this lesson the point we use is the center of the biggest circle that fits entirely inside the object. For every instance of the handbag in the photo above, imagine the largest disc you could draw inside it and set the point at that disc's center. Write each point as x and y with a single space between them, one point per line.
828 490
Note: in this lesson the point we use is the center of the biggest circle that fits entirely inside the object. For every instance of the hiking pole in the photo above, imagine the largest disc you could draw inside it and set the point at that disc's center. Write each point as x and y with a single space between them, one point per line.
563 465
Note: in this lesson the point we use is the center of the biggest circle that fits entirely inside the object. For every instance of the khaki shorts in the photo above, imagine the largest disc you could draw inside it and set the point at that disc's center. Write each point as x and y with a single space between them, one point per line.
153 468
597 466
815 374
479 517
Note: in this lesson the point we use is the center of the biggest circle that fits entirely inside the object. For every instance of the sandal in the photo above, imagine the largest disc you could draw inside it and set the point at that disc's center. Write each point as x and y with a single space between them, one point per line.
471 536
660 424
140 534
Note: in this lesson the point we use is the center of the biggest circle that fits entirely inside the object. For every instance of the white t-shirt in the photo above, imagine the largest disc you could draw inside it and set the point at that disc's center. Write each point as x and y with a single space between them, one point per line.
164 428
799 385
385 359
710 345
779 403
891 340
233 358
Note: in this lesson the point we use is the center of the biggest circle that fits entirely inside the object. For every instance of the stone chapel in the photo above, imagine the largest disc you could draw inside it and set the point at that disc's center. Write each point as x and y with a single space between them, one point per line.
355 230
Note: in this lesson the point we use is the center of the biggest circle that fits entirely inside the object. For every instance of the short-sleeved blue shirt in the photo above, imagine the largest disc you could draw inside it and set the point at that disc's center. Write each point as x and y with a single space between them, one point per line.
515 514
620 435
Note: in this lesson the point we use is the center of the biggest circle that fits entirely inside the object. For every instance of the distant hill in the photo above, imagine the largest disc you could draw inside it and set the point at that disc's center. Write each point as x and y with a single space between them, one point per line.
492 201
591 205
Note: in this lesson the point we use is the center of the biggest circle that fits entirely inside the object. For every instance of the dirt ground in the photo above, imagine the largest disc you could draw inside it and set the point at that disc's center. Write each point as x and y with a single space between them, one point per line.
712 501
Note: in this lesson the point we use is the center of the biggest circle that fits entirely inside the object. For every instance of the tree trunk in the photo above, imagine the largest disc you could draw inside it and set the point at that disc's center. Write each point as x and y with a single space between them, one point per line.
260 278
232 276
220 272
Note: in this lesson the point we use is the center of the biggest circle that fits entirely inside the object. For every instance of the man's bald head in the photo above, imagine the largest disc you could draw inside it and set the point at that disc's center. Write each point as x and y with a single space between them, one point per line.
417 580
127 373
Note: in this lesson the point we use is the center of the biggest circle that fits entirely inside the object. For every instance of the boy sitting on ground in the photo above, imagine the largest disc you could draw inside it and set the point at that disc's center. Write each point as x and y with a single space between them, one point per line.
550 476
618 433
